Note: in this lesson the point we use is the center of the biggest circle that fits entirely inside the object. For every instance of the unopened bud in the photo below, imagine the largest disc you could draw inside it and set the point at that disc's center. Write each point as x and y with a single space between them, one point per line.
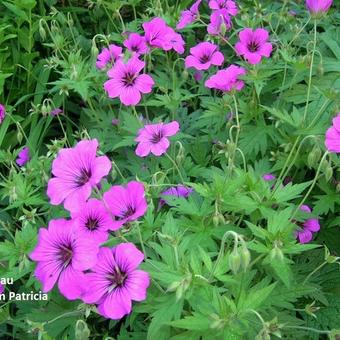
185 74
223 28
245 257
42 31
19 136
82 331
337 188
276 254
234 261
328 172
320 70
314 157
113 172
94 49
218 219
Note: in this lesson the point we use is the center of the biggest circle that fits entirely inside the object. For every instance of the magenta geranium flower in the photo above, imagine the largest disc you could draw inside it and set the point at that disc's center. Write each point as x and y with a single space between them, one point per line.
203 55
333 136
227 80
136 43
189 16
317 7
108 56
2 113
56 112
229 5
217 19
153 138
77 170
23 156
155 32
198 75
127 83
173 40
268 177
126 204
308 227
62 255
177 191
93 219
2 288
254 45
115 281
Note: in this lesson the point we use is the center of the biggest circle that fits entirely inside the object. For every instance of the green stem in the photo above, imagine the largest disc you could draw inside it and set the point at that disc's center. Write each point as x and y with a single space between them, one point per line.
312 185
238 128
141 240
136 115
299 32
279 180
176 166
308 329
310 74
221 252
313 272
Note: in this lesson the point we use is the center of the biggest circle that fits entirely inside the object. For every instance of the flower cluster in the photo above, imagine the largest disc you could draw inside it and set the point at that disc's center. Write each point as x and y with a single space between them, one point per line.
69 251
128 79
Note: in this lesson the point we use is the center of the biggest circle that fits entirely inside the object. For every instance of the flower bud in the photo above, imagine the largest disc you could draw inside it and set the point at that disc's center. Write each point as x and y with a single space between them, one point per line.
320 70
314 157
337 188
245 257
82 331
276 254
19 136
42 31
328 173
185 75
94 49
234 261
218 219
223 28
113 172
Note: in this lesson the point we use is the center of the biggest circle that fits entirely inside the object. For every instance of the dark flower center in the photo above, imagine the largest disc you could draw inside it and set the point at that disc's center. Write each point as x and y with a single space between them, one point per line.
84 177
65 254
156 137
92 223
117 278
129 211
129 79
253 46
134 48
204 58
